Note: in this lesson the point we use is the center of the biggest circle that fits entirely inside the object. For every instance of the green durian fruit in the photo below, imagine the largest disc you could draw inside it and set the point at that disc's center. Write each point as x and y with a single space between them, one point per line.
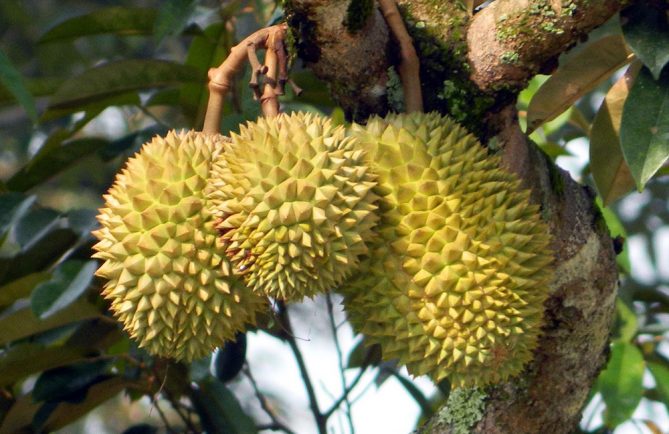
293 199
455 287
169 281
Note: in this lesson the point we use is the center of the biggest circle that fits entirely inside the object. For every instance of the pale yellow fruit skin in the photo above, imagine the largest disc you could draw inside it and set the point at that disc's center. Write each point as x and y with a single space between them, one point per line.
456 285
294 202
169 282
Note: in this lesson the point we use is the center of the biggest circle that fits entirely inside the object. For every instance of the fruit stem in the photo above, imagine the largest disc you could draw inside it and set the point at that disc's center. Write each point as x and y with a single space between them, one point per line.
409 69
221 78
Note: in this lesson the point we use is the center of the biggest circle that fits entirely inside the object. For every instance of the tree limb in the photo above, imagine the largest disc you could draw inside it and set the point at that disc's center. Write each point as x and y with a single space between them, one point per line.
472 68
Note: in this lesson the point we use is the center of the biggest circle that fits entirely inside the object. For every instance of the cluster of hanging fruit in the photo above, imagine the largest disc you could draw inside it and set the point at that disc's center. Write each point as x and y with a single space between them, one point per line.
440 256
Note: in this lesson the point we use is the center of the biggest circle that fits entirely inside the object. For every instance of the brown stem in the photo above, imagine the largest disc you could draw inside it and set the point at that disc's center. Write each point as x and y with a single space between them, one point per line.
221 78
269 101
409 69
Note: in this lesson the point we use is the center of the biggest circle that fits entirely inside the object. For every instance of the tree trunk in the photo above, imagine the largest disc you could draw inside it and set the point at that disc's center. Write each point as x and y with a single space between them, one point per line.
472 68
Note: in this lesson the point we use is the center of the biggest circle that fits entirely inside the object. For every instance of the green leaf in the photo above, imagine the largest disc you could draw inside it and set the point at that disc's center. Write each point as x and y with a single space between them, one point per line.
206 51
626 322
41 86
92 108
646 30
20 288
18 321
616 229
19 417
12 207
60 383
661 375
610 171
364 355
12 80
25 359
579 75
621 383
219 409
98 393
173 18
644 129
120 77
229 360
117 20
55 160
67 284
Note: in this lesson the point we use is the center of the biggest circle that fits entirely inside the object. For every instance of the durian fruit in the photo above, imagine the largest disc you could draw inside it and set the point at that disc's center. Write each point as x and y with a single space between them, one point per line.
293 198
168 279
455 286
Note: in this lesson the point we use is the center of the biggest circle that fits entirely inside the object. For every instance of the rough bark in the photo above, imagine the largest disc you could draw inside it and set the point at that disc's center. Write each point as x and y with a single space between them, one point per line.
485 60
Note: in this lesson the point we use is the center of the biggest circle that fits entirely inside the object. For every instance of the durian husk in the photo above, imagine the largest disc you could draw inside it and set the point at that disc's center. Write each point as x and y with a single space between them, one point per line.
169 281
294 204
455 286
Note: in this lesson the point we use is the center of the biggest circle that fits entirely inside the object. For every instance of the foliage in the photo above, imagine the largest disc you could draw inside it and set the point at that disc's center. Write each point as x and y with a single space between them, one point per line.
64 72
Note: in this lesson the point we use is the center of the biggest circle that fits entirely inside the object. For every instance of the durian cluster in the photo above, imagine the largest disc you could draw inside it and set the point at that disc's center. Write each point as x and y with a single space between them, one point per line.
440 257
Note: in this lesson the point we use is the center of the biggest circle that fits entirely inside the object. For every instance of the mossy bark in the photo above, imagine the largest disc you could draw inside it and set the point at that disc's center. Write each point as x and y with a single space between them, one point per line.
472 68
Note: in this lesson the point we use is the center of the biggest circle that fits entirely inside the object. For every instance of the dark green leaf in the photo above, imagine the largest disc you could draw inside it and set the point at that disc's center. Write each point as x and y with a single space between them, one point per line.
25 359
60 383
142 428
53 162
82 221
92 108
173 18
364 355
34 225
206 51
609 169
118 20
579 75
18 321
67 284
20 288
621 383
95 394
219 410
661 375
12 207
19 417
36 86
644 129
228 361
11 79
121 77
646 30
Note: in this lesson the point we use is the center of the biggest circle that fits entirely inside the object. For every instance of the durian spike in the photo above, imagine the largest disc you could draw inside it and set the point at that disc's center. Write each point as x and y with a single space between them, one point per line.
409 69
221 78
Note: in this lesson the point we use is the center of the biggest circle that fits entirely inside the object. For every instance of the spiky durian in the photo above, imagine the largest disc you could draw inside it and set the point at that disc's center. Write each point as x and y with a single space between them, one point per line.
169 281
456 285
294 203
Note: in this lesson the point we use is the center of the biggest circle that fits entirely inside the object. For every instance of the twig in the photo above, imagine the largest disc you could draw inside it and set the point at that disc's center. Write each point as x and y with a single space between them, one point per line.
221 78
168 427
282 315
276 424
344 397
409 69
340 360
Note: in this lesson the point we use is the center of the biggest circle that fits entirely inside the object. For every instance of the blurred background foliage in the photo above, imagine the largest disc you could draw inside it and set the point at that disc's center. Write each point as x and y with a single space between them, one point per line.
84 83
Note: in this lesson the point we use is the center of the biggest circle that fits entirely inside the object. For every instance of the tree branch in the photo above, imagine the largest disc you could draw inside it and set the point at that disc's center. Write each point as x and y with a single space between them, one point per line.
284 320
512 40
472 68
